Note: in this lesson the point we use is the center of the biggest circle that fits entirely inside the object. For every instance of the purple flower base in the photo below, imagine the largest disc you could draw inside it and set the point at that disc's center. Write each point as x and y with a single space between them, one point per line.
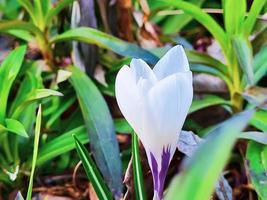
159 176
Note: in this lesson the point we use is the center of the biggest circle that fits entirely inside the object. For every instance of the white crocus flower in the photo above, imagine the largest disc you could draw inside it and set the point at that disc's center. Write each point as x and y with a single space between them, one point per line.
155 103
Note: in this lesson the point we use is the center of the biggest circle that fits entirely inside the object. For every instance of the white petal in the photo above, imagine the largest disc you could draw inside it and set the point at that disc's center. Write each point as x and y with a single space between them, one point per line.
142 70
128 97
167 106
172 62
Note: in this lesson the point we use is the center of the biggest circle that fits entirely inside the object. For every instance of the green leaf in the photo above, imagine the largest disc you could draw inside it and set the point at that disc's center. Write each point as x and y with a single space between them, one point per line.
100 128
199 68
259 137
174 24
8 72
254 11
92 172
26 4
259 120
260 64
33 97
14 126
93 36
55 10
137 170
61 144
35 151
196 57
122 126
215 151
7 26
243 51
257 163
209 100
203 18
21 34
234 15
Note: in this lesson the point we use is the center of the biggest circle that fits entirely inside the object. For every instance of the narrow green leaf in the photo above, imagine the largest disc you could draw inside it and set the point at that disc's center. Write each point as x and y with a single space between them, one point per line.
199 68
26 4
33 97
16 127
93 36
243 51
8 71
209 100
92 172
61 144
21 34
100 127
259 120
254 11
196 57
257 163
260 64
203 18
234 15
7 26
137 170
54 11
215 151
122 126
35 151
174 24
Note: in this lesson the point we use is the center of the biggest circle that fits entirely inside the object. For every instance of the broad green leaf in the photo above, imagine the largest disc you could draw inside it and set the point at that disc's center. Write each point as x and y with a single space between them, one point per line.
234 15
259 120
35 151
203 18
92 172
93 36
14 126
257 163
61 144
243 50
100 128
137 170
55 10
254 11
8 72
215 151
209 100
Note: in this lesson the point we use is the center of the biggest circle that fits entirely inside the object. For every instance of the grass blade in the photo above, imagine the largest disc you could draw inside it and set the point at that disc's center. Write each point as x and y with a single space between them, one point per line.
203 18
92 172
254 11
137 170
35 151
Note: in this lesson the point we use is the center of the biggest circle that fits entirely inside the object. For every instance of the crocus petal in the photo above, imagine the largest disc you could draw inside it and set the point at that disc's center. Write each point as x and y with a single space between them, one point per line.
128 97
172 62
141 70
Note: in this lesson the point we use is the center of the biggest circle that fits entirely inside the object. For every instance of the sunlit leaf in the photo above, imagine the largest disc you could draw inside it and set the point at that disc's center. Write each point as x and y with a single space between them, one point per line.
215 150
